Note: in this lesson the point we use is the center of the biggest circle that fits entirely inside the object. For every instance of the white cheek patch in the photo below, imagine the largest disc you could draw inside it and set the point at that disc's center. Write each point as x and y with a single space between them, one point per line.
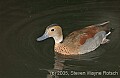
92 43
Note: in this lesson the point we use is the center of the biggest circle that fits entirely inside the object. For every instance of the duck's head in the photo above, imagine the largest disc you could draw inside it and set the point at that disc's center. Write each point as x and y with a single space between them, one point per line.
53 30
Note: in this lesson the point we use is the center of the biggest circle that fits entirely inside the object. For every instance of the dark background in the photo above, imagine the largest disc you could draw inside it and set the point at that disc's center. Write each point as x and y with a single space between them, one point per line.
22 21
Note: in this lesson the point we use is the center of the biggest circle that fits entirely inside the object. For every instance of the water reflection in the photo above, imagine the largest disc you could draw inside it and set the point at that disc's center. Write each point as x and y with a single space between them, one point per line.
66 62
22 21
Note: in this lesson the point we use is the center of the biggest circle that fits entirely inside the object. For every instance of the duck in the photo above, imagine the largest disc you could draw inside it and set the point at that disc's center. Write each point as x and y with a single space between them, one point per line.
78 42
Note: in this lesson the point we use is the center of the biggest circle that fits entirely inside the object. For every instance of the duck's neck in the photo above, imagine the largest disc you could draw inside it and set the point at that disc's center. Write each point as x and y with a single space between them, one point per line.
58 39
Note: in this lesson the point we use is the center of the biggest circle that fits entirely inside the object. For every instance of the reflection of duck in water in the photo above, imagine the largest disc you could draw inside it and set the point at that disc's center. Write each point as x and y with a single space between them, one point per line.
78 42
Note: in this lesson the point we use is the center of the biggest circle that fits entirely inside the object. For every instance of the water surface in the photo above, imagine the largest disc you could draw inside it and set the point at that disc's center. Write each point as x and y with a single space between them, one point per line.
21 22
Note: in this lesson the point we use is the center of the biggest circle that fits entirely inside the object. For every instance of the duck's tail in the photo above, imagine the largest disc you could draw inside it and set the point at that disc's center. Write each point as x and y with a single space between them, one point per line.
103 24
111 29
104 27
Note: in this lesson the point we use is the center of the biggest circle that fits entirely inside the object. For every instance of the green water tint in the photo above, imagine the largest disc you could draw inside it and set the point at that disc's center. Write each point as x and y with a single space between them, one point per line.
21 22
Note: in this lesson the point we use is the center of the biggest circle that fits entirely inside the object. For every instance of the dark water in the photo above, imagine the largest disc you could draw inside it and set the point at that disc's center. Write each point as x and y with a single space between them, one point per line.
22 21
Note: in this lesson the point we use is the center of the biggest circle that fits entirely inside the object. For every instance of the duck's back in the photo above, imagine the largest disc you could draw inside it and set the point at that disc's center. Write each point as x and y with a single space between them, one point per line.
86 39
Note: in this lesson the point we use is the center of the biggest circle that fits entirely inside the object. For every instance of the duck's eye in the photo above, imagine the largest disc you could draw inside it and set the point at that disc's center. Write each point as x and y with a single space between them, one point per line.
52 29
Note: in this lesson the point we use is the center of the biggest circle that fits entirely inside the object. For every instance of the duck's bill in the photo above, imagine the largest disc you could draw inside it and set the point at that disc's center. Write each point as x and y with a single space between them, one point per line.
45 36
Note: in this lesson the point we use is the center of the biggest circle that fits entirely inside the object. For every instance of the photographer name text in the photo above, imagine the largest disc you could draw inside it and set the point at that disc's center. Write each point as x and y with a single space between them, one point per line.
89 73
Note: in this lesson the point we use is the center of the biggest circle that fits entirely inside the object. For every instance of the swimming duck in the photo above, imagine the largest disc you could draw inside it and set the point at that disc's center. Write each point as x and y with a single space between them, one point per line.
78 42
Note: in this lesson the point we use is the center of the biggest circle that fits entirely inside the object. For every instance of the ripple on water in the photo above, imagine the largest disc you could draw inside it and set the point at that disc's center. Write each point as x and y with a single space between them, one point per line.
20 38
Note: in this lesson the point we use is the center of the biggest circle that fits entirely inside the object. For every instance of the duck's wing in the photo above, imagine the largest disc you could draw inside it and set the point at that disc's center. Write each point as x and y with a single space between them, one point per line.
79 37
